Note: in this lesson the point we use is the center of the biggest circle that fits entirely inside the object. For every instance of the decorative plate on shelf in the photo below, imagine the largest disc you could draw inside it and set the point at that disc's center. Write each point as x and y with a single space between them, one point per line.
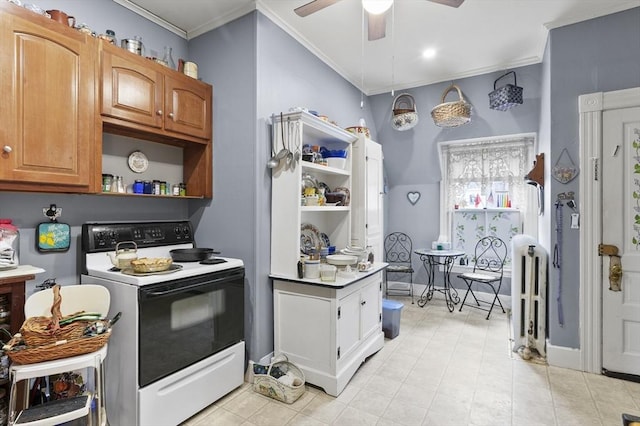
309 237
346 192
325 186
138 162
325 239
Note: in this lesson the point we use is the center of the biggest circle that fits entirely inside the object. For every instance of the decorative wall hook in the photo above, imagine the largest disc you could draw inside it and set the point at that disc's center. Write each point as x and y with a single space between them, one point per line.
536 178
536 175
53 212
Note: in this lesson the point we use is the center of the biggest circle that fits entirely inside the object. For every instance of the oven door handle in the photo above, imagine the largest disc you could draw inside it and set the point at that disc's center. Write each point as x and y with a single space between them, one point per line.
182 289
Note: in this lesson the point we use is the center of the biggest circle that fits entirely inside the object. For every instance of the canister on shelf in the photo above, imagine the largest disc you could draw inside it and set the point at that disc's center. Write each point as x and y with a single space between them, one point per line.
183 189
148 187
138 187
107 181
114 184
163 188
175 189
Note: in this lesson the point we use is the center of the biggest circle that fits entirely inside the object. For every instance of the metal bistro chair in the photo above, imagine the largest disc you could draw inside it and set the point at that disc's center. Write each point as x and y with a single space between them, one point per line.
489 257
398 249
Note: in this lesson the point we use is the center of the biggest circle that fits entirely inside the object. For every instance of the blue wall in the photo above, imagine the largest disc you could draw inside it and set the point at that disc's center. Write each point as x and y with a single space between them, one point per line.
598 55
411 157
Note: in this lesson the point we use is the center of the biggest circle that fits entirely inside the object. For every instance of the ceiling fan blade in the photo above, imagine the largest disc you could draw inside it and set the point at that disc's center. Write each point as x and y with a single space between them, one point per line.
313 6
377 26
452 3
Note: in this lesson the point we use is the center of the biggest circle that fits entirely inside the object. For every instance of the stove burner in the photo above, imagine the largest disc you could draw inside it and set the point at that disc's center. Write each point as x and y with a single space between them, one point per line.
212 261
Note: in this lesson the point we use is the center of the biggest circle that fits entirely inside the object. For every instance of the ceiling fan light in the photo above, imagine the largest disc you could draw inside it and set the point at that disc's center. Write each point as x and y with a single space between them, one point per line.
429 53
376 7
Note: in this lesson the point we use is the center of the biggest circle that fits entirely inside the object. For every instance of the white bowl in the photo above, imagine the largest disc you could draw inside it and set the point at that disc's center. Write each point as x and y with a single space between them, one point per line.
342 259
337 162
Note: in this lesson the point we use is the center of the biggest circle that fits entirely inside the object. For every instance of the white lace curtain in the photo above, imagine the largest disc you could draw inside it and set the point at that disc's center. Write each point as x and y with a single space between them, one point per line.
485 162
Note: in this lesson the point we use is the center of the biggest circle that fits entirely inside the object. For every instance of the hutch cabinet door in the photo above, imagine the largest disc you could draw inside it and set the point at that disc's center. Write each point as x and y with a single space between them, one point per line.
48 109
348 324
371 307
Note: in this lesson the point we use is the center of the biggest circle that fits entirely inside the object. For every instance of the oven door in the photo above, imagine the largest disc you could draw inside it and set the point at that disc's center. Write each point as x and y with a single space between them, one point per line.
184 321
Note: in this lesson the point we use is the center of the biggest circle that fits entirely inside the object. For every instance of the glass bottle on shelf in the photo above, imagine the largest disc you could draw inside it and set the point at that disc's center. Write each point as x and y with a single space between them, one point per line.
168 59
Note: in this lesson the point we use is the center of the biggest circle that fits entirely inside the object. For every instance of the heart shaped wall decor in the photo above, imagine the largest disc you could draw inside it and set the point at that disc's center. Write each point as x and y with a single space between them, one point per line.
413 197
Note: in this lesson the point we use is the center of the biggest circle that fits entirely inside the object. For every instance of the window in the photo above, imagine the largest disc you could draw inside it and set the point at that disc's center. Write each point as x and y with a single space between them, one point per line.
483 191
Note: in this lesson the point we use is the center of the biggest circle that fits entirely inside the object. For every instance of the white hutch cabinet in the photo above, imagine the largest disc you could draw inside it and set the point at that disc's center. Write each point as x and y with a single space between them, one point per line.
367 211
327 329
328 332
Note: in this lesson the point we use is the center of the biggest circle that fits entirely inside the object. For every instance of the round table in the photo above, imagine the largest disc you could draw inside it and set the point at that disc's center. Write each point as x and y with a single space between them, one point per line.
432 259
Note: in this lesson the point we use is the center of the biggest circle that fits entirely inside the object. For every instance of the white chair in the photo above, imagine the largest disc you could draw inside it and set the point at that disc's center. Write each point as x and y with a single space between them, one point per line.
86 297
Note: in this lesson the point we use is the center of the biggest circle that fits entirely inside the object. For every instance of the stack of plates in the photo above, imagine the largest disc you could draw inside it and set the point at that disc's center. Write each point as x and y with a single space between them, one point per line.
360 253
341 259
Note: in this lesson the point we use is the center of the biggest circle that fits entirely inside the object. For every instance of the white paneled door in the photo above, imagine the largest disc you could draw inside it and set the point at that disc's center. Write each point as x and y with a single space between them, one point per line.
375 193
621 228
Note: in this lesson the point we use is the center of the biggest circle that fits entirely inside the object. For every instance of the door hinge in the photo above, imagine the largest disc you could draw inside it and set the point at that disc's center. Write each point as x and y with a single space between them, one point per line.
338 352
339 312
595 169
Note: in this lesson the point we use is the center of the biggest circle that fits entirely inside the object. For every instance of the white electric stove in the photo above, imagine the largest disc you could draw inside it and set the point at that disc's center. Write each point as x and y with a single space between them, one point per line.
179 345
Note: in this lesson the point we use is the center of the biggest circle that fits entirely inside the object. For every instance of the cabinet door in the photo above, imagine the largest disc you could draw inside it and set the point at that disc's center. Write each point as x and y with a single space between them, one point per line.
132 90
48 109
188 105
370 309
374 199
348 324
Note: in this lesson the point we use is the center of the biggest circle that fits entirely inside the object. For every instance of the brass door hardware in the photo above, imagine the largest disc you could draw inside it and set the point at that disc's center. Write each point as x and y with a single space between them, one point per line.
615 265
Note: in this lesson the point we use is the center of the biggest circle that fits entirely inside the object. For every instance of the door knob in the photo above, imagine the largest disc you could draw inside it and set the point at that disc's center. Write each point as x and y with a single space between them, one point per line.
159 112
7 149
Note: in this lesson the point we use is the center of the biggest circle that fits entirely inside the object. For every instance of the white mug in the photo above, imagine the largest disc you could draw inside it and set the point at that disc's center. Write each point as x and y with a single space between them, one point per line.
363 266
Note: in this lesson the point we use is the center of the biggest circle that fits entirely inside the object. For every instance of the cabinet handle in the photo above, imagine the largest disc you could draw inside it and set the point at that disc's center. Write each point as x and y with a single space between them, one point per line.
7 149
170 115
364 302
159 112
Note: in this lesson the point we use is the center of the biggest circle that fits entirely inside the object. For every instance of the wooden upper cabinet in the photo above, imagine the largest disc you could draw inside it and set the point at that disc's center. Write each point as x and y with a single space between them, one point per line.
139 94
131 91
47 77
188 104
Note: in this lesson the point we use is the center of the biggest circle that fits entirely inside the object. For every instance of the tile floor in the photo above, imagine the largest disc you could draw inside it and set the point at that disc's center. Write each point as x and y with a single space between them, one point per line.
443 369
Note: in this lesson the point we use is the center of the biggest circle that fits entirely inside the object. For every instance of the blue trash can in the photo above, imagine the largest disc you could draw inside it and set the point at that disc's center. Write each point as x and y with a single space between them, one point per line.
391 311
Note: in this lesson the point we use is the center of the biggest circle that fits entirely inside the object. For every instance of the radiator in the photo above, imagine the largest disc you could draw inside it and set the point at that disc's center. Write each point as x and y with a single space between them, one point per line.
529 294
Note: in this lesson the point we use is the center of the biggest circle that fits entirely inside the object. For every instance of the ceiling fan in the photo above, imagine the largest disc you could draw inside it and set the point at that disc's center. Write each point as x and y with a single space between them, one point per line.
376 22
